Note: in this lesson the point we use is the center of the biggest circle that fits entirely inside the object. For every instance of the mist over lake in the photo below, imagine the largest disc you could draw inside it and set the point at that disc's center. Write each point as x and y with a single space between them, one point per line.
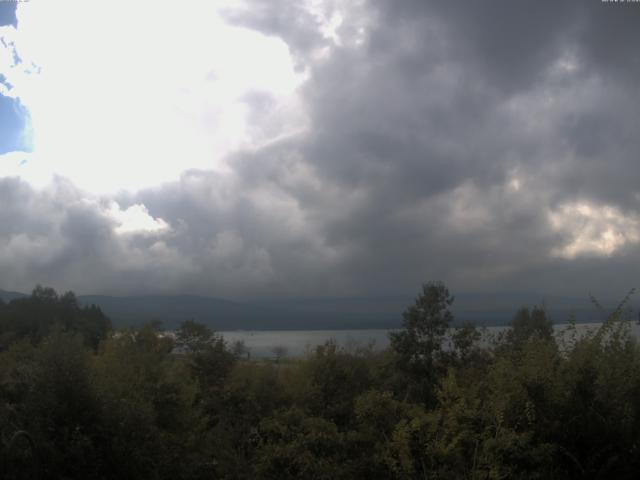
261 343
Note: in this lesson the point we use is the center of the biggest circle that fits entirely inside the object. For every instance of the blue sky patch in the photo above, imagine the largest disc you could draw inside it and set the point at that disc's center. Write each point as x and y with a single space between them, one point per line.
8 13
12 123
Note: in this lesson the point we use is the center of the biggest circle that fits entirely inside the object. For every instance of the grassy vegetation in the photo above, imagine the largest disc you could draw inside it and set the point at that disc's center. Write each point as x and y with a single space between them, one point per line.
92 404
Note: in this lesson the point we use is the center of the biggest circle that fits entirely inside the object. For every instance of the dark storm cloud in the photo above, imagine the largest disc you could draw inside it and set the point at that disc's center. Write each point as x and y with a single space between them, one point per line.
441 107
511 43
489 144
245 233
60 236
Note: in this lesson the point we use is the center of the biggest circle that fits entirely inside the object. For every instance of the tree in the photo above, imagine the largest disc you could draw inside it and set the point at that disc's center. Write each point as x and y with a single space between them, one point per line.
279 353
240 349
193 337
527 324
418 345
296 445
335 379
151 423
62 409
206 354
465 339
34 317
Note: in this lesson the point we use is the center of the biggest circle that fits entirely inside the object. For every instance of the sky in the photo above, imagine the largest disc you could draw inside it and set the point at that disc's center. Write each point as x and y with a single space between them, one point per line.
319 148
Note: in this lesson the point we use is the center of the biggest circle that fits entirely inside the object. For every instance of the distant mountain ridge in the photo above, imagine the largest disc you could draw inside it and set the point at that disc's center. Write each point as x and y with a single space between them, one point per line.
223 314
319 313
8 296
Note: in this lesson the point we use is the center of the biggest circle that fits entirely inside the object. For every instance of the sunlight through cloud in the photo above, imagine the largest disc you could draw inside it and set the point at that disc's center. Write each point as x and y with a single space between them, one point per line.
136 219
149 84
590 229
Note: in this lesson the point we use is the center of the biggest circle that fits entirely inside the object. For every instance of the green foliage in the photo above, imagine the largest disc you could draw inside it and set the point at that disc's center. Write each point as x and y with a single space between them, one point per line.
393 431
425 324
419 345
36 316
295 446
528 324
440 403
251 393
148 406
335 379
193 337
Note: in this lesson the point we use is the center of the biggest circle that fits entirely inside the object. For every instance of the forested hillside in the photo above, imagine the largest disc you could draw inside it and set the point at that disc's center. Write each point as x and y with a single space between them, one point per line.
79 400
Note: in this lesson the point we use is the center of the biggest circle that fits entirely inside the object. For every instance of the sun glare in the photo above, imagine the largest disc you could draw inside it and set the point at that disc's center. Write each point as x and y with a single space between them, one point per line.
147 84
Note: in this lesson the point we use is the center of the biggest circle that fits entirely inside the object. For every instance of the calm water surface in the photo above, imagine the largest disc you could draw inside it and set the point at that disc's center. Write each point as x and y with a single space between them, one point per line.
261 343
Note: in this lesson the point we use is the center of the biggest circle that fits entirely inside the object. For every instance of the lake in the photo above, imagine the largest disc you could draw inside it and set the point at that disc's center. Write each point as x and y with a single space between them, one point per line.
298 342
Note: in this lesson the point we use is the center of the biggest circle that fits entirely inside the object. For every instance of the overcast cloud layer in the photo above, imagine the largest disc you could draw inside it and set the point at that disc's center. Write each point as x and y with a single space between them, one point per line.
488 144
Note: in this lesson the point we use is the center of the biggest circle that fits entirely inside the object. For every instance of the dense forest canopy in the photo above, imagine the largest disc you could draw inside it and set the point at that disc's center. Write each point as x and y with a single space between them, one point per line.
80 400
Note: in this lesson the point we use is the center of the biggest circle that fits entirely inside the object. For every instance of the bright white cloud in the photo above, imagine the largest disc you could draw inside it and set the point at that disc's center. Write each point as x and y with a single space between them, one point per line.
12 164
129 96
136 219
596 230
